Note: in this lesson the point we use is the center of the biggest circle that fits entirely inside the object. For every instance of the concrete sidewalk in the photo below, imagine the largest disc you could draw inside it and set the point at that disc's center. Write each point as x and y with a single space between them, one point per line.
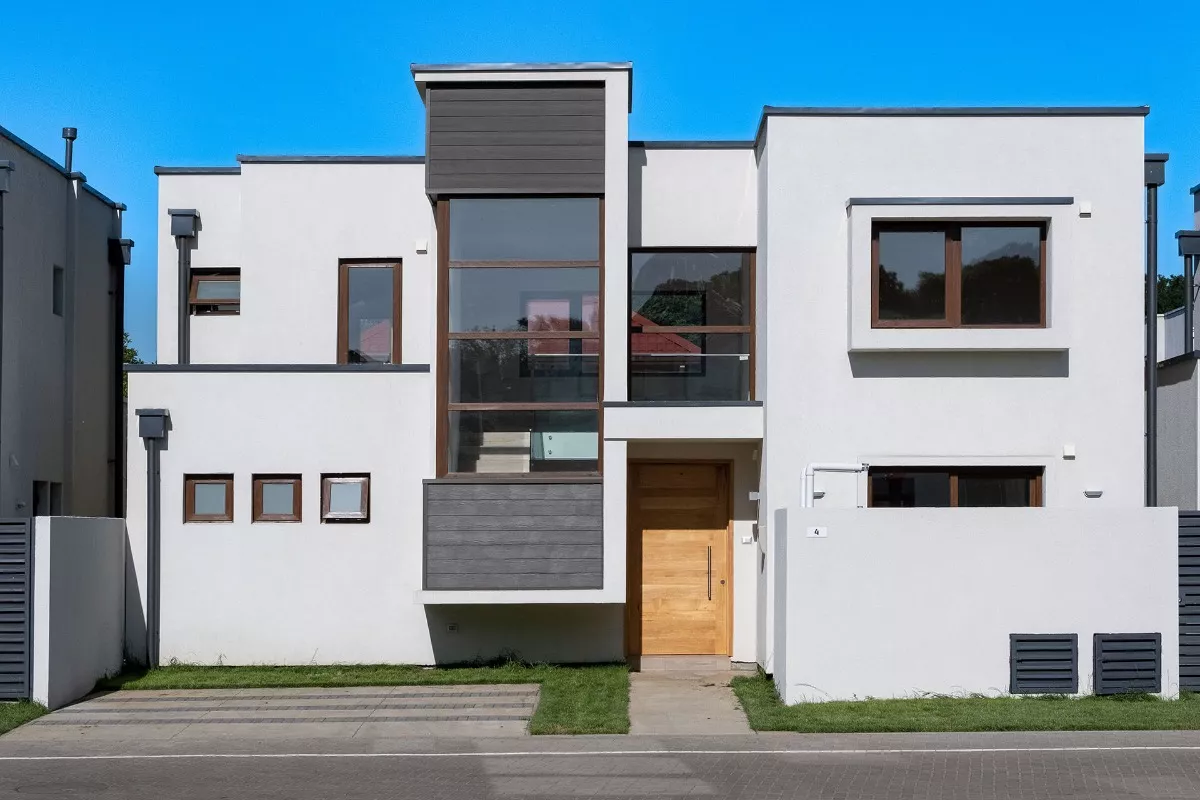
684 703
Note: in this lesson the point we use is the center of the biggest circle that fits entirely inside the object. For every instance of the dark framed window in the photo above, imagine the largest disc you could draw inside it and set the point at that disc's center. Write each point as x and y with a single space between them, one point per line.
520 326
958 274
277 498
954 487
216 292
346 498
58 291
691 324
369 294
208 498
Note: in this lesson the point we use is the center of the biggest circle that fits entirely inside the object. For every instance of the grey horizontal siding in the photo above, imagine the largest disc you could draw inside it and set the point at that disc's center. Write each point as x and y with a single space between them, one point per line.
509 138
513 535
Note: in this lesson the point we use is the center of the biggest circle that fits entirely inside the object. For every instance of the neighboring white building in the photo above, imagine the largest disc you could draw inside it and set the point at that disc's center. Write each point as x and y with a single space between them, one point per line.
61 345
552 392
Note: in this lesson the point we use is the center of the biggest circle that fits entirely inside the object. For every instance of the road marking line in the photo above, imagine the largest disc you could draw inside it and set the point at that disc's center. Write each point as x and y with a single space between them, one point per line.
595 753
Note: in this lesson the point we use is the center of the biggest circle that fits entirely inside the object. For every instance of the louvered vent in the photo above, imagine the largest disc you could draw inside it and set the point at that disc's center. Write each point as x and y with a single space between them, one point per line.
1044 663
1189 600
14 609
1128 662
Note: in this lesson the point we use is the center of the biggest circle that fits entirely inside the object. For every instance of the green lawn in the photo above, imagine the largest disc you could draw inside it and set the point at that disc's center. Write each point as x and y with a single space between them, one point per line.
575 699
18 713
1050 713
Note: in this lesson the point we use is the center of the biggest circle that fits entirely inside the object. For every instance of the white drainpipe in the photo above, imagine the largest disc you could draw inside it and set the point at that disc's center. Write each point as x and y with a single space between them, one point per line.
808 485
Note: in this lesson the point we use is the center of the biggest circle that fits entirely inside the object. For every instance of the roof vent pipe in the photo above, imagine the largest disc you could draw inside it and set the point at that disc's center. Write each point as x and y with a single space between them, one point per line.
69 134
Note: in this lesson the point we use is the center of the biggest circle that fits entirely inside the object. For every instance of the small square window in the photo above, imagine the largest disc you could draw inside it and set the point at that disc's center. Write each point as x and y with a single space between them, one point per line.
208 498
345 498
216 292
277 498
58 291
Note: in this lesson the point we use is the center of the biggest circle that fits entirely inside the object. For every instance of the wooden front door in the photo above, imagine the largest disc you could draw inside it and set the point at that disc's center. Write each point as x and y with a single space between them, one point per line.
680 582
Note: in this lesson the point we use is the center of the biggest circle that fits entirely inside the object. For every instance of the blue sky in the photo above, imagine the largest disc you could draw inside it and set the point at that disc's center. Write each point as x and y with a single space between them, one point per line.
196 83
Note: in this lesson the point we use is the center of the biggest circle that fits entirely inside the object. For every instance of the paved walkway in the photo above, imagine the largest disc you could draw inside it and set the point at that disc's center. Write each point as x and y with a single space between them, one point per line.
684 703
362 712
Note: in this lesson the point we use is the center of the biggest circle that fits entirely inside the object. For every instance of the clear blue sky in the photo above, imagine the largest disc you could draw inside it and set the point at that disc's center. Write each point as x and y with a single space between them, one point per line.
196 83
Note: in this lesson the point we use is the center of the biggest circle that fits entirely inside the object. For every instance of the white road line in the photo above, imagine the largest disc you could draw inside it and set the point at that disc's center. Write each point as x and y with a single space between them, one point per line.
601 753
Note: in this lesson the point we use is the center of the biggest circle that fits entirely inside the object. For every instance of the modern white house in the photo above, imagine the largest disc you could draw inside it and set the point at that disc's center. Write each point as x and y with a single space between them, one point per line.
857 400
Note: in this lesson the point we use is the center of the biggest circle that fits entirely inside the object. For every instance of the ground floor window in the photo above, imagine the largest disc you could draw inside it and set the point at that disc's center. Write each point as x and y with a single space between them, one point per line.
954 487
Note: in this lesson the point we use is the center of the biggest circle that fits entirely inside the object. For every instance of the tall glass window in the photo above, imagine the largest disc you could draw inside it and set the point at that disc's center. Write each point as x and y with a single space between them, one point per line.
691 325
523 330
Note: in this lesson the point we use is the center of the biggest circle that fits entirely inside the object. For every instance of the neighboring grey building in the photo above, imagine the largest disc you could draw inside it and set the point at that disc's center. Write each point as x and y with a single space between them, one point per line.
61 417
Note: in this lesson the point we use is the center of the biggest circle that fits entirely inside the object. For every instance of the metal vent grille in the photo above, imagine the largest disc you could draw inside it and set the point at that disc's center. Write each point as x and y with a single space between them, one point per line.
15 603
1128 662
1189 600
1043 663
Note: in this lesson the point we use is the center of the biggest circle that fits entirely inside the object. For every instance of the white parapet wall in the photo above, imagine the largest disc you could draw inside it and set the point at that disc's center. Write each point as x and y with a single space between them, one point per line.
78 605
911 601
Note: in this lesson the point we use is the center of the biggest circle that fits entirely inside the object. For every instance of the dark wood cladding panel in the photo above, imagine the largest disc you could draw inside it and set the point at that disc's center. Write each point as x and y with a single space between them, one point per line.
529 138
491 536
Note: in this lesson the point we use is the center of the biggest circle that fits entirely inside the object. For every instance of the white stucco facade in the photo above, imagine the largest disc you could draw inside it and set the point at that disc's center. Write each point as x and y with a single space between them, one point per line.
263 395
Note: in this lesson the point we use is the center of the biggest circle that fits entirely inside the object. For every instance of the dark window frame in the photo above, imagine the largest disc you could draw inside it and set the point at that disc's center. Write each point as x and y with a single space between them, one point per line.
444 335
748 330
189 497
209 307
58 291
363 515
952 231
257 483
1035 475
343 308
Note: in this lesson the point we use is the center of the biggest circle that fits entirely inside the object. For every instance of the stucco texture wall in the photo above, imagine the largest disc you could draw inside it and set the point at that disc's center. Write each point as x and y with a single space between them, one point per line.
79 605
1177 435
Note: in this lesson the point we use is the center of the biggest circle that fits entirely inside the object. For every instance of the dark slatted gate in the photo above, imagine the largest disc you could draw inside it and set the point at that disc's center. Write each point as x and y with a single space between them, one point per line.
1189 600
16 607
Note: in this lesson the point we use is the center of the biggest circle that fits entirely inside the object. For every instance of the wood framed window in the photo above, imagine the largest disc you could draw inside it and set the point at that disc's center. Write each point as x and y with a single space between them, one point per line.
277 498
369 295
346 498
520 326
954 487
216 292
208 498
958 274
691 324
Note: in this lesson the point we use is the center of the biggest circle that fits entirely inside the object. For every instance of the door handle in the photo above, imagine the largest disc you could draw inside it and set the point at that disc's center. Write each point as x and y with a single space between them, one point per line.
710 572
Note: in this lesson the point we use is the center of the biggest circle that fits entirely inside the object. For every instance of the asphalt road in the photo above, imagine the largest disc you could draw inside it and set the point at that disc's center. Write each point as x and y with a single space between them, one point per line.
1092 766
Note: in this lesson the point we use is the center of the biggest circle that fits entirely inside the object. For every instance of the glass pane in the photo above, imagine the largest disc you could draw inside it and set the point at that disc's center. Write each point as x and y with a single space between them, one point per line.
525 229
524 441
910 489
524 371
370 314
345 498
912 275
210 499
515 299
993 490
1002 275
690 289
277 498
689 366
214 289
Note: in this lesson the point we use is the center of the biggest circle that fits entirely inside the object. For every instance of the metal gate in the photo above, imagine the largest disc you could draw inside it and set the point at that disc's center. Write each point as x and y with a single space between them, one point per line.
1189 600
16 607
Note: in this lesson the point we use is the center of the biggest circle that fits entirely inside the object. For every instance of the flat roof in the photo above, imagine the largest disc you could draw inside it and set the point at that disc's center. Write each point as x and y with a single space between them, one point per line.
245 159
197 170
54 165
1195 189
693 144
516 66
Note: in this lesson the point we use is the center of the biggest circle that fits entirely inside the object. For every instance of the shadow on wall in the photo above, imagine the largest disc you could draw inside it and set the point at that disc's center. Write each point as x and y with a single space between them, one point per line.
135 614
554 634
960 365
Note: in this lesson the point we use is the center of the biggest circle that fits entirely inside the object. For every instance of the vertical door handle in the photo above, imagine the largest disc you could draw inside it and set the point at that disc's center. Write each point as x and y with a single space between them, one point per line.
710 572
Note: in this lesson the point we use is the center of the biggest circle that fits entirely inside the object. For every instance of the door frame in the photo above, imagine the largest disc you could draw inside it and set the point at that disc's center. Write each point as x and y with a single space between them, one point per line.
633 550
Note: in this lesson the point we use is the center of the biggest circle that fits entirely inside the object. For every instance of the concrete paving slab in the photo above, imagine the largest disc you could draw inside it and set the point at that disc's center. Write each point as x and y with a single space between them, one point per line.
684 703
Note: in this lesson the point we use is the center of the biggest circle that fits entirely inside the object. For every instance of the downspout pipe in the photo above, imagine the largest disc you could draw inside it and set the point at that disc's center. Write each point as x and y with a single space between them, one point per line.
153 424
808 483
1189 248
1156 176
119 256
6 170
185 223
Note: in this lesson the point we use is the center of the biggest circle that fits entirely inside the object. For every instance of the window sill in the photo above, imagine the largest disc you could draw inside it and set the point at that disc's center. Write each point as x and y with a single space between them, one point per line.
866 340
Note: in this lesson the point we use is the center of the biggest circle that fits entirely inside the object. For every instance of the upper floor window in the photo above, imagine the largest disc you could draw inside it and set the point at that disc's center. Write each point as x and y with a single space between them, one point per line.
520 279
369 312
58 291
954 487
958 274
216 292
691 318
